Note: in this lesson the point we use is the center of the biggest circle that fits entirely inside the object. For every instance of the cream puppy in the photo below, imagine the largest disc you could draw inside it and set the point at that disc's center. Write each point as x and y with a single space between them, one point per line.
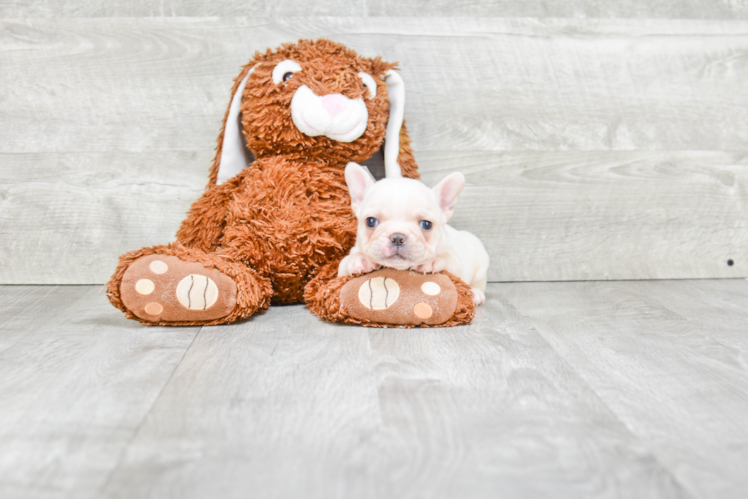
403 224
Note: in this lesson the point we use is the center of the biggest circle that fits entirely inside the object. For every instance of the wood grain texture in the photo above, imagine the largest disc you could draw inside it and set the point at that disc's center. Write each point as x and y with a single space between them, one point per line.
76 380
472 84
667 358
284 405
491 411
268 407
606 215
687 9
66 217
634 389
541 215
109 124
684 9
711 306
21 307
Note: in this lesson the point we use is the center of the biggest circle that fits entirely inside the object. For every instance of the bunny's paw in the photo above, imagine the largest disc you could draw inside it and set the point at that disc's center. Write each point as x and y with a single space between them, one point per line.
403 298
160 288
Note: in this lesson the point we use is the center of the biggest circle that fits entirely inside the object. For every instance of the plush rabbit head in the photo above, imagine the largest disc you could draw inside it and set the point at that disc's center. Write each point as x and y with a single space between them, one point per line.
315 99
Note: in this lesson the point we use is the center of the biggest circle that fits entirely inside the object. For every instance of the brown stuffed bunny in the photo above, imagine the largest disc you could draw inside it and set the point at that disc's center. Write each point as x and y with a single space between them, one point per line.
276 230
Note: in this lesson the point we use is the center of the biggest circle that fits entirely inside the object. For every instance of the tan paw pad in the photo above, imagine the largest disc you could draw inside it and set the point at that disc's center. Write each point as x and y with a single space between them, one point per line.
166 288
154 308
396 297
378 293
144 287
158 266
197 292
423 310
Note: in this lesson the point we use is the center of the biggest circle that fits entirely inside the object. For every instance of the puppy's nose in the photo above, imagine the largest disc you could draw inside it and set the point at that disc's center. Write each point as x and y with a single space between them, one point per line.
397 239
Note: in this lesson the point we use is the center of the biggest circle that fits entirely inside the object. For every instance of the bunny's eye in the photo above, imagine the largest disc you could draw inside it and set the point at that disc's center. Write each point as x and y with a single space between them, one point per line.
284 70
369 84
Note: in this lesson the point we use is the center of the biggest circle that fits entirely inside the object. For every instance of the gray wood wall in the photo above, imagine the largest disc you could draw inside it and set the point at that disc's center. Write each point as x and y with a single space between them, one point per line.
600 139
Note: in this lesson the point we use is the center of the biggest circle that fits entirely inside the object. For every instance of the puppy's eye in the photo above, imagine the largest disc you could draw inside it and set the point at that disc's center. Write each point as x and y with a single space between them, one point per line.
285 70
369 84
372 222
425 225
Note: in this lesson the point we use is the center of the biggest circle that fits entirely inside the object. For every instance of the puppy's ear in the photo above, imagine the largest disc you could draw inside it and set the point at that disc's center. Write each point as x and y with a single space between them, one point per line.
359 180
447 192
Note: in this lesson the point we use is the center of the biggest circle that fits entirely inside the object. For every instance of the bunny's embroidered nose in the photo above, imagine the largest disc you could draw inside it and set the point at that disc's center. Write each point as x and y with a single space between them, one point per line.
334 104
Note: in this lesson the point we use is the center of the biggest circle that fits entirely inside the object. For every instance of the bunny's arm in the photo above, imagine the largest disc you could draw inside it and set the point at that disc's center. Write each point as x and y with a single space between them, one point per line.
206 218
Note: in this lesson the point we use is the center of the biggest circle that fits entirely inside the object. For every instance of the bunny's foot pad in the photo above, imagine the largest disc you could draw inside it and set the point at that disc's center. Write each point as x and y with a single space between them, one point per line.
159 288
396 297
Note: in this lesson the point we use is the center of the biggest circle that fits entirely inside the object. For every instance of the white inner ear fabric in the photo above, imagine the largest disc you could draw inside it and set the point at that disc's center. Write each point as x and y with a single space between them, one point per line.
396 90
234 156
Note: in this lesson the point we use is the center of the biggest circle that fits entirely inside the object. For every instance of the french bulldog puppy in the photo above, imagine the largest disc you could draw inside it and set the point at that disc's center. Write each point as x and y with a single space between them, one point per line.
402 224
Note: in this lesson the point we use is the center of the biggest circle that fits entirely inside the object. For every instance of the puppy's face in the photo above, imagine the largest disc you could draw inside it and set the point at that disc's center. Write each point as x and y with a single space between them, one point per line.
401 221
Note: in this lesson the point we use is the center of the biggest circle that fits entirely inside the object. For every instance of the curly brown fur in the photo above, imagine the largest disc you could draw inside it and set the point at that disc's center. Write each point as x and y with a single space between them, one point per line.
329 67
289 213
293 218
207 217
405 157
286 217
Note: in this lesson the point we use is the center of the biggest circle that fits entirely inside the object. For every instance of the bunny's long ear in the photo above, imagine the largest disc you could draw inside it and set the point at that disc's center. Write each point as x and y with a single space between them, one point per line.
396 91
232 156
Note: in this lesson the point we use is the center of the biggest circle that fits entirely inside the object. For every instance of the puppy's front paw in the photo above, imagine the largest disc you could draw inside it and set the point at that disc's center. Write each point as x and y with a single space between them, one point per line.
359 264
478 297
435 266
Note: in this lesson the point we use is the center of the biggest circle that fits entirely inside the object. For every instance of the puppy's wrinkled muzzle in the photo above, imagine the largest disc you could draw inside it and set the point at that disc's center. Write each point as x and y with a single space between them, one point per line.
395 249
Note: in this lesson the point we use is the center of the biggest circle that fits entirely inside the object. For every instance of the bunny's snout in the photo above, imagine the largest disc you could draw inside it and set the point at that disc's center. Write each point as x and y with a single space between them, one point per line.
333 115
334 104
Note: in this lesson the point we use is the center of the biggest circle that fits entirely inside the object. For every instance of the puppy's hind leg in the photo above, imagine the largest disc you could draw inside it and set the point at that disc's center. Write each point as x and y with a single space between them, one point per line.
478 297
478 286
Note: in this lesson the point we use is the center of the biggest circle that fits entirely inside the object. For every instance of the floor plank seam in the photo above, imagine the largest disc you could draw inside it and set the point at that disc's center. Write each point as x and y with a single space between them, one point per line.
497 282
135 432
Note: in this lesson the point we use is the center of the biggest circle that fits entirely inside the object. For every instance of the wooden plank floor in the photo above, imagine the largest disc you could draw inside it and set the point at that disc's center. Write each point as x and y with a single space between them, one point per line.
606 389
